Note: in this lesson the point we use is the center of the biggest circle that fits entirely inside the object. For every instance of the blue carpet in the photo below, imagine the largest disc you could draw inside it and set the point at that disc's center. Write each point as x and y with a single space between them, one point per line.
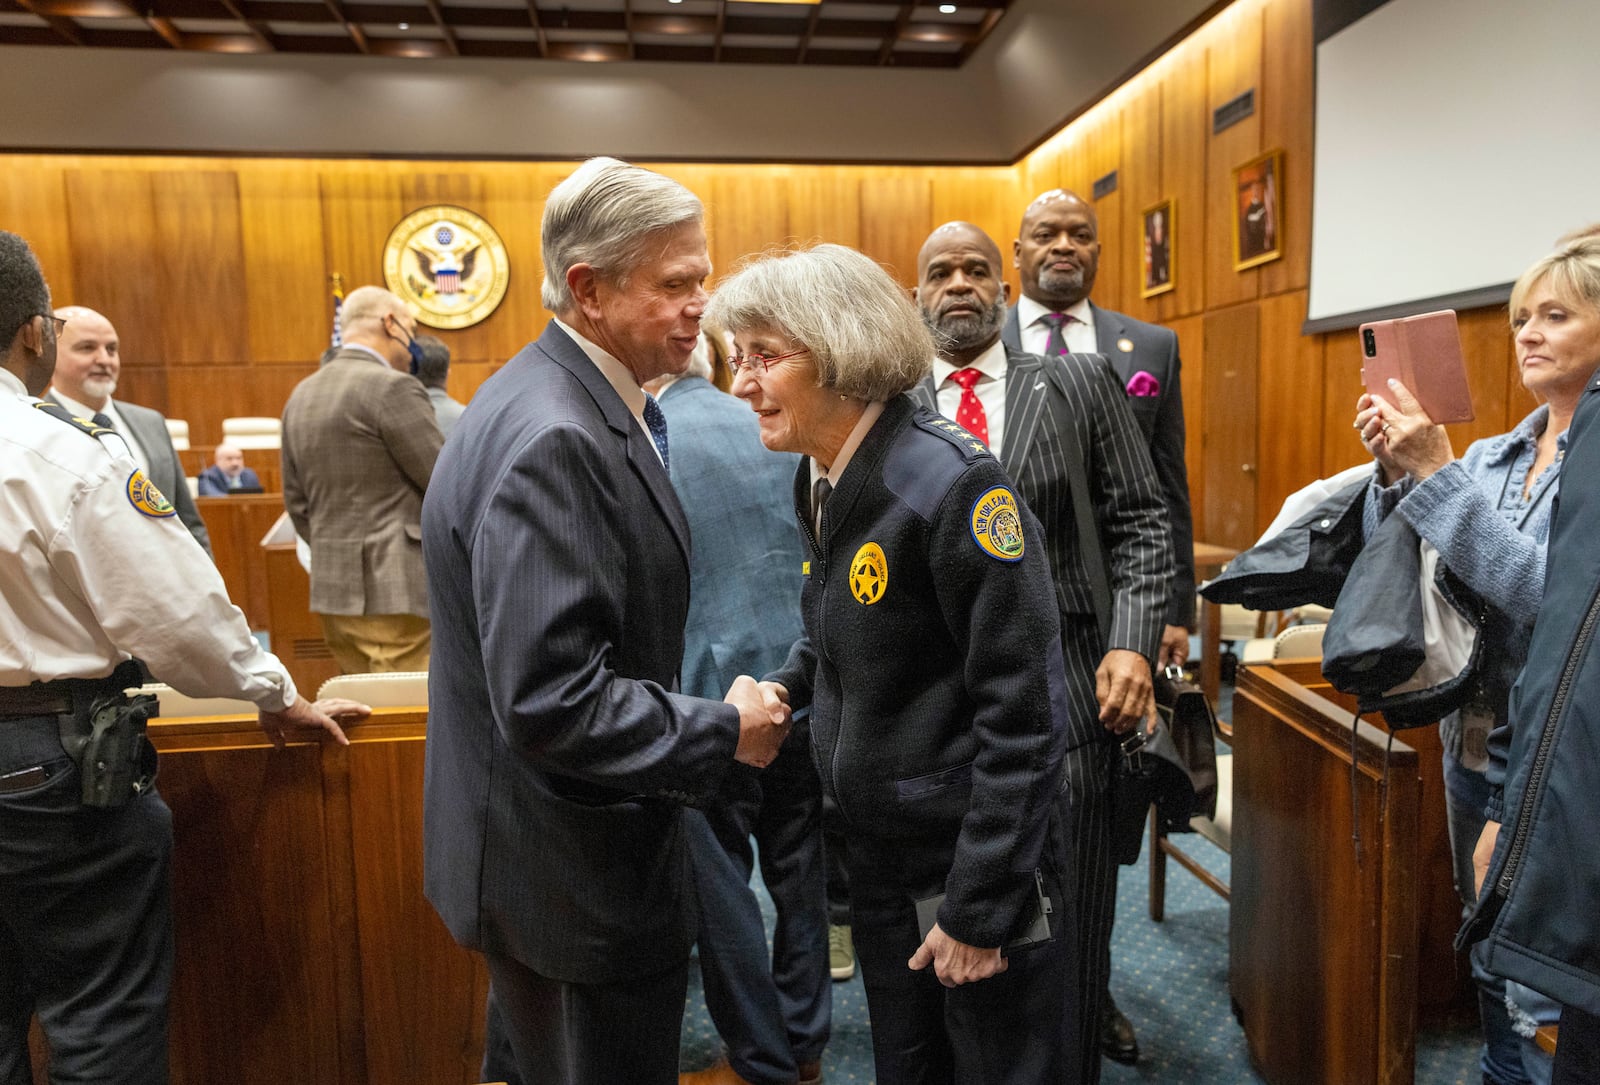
1170 978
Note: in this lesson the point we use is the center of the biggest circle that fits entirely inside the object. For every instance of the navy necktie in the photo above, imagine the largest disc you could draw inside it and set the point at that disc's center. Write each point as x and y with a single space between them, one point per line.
657 424
102 421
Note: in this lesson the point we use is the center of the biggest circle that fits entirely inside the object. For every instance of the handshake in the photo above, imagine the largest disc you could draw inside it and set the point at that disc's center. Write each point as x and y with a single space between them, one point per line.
763 719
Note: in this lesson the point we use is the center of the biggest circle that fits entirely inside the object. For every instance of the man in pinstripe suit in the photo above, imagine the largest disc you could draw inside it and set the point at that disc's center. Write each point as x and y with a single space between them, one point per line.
1057 254
560 754
1045 418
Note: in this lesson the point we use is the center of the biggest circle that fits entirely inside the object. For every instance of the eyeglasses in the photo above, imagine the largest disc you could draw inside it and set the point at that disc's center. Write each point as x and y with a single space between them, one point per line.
59 323
758 363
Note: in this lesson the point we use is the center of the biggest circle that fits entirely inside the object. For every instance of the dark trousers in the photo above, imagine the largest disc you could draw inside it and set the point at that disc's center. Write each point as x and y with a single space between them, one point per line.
1577 1048
772 1012
85 922
623 1033
1016 1028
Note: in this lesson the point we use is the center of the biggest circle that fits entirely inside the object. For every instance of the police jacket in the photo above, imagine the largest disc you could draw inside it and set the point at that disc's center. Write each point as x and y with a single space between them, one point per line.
932 663
1538 902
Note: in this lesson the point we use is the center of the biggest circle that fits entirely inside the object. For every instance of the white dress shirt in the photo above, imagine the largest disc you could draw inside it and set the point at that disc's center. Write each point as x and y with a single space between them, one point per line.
87 579
618 376
1079 334
991 390
87 413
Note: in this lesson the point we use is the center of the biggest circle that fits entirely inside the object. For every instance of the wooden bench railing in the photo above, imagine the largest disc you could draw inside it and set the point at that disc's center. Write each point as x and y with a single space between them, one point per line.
306 951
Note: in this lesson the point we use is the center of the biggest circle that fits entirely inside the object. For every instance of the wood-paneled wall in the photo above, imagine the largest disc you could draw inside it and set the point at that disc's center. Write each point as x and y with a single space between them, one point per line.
1267 408
215 269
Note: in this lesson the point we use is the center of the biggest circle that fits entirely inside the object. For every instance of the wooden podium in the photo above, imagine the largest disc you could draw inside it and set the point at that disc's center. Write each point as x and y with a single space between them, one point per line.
1337 948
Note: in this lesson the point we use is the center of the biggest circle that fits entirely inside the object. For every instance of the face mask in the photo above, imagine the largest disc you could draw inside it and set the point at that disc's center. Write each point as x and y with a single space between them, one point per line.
415 350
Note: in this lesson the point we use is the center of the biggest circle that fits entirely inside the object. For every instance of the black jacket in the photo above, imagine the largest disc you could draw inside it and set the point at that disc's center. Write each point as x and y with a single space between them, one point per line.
932 665
1539 901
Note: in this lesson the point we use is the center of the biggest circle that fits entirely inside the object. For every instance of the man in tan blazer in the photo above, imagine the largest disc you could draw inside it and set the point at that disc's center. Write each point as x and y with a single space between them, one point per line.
359 443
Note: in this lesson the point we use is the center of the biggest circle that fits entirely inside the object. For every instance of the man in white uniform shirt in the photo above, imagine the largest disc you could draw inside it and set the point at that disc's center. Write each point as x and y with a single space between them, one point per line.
88 363
93 567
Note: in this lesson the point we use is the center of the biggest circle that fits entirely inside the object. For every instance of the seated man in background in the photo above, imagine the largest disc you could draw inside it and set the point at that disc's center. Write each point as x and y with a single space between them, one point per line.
228 475
432 372
88 364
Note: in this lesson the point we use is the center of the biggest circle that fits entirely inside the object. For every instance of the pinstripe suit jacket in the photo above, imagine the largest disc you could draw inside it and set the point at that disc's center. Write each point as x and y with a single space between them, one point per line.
1160 418
558 756
1080 409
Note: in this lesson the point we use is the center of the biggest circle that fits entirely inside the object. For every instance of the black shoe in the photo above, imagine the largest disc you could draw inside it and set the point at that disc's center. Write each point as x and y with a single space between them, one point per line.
1117 1040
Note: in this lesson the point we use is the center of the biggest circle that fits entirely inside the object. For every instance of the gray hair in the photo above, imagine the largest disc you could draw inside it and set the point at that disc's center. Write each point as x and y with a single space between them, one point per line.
435 365
866 337
23 293
1573 272
604 215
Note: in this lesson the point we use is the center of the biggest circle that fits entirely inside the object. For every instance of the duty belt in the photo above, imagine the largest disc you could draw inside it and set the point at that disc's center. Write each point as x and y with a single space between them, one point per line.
39 699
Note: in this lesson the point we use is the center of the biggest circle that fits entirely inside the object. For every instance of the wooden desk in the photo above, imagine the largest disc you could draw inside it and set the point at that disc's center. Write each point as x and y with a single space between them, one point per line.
305 949
1208 562
237 525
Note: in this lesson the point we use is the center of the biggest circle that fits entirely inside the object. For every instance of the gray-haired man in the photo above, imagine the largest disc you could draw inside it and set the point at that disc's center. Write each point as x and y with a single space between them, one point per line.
559 755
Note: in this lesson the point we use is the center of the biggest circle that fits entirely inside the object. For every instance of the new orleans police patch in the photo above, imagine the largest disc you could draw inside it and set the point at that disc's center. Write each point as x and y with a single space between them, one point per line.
869 574
143 495
997 524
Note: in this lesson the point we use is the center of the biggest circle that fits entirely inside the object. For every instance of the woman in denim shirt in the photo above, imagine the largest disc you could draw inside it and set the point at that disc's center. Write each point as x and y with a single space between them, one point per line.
1488 514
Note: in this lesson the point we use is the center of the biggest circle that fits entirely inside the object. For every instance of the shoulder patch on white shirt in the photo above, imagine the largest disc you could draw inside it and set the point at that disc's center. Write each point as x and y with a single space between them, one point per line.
143 495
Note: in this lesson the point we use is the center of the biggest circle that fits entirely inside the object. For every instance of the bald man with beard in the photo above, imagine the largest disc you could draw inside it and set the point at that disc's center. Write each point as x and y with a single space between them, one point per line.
1047 419
88 364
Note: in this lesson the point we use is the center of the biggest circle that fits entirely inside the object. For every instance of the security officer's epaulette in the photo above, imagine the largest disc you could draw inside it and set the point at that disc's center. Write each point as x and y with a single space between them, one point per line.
57 411
971 448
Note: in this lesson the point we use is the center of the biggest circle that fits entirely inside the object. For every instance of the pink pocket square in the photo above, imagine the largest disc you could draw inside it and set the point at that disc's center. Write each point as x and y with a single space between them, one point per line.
1144 383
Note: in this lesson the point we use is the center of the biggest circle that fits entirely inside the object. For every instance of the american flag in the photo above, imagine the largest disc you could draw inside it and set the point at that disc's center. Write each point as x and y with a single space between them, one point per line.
335 339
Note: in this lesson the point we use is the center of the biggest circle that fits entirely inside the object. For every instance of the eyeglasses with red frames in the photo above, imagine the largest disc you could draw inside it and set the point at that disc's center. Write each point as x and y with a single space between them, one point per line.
759 363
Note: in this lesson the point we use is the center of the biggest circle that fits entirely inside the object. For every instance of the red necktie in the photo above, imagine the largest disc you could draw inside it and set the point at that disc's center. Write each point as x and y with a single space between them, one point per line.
969 413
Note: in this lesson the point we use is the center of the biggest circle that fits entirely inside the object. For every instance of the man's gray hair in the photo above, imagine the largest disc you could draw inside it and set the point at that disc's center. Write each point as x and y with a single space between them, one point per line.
604 215
23 293
866 337
435 365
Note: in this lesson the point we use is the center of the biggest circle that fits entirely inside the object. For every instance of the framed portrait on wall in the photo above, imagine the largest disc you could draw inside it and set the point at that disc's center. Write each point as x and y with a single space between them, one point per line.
1258 212
1159 246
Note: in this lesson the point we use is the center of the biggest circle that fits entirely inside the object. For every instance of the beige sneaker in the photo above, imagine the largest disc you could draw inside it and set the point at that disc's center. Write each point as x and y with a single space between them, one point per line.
841 953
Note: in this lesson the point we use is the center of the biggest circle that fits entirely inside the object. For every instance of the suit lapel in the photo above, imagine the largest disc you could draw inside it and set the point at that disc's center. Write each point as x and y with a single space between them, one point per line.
1109 330
1025 398
638 448
1011 334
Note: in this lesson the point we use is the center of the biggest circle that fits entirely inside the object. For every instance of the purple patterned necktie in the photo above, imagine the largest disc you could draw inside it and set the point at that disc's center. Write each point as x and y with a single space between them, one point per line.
1057 343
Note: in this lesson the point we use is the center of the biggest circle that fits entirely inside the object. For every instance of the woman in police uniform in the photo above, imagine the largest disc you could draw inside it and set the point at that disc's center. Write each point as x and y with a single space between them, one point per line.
932 668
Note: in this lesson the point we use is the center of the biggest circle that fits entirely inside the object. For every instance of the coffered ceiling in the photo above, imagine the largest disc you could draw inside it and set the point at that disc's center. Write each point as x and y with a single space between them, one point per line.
860 33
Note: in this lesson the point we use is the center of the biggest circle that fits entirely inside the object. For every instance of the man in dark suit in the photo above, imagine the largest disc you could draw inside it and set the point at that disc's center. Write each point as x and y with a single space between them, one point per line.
772 1009
1047 418
1057 253
560 755
88 364
359 443
228 475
